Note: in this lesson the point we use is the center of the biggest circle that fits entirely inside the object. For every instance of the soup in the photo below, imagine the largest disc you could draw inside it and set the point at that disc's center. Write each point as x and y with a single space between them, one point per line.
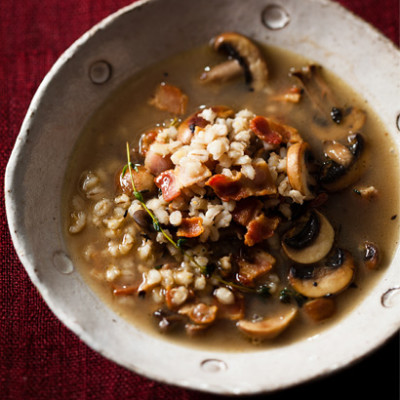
222 200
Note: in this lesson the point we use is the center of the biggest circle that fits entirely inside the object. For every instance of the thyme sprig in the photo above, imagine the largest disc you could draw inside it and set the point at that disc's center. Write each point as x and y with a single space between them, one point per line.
263 290
156 224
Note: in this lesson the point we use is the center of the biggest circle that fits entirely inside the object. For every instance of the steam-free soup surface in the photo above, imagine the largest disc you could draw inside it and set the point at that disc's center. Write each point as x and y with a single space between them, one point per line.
127 266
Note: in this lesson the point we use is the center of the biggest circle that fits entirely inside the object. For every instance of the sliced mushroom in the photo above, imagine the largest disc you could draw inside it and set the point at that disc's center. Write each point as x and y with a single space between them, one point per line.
223 72
317 90
319 309
334 120
354 119
338 153
143 179
330 278
298 171
267 328
311 241
248 55
346 167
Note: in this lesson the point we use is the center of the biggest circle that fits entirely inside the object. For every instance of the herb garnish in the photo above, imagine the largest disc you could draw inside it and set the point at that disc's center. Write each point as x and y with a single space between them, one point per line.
286 295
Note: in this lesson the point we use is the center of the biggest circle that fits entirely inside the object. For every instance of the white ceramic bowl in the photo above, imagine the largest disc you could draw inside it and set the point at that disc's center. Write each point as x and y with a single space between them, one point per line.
79 82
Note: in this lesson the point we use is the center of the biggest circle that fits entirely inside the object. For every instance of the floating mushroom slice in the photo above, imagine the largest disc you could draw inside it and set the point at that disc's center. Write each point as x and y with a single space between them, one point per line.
223 72
248 55
319 309
338 152
330 120
314 240
267 328
316 88
335 176
354 119
324 280
297 169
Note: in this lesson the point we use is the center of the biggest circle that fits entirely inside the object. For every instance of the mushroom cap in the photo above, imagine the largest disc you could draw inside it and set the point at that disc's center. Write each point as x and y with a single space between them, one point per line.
336 177
324 280
248 55
267 328
319 246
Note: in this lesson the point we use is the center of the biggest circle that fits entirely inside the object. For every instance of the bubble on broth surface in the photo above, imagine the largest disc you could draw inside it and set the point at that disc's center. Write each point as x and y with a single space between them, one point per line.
275 17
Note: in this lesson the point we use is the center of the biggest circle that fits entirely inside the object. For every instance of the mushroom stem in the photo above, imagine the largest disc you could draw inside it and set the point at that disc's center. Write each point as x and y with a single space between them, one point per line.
222 72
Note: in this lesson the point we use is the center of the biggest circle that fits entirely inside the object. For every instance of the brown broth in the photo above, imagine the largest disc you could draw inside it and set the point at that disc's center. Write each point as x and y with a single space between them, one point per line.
127 114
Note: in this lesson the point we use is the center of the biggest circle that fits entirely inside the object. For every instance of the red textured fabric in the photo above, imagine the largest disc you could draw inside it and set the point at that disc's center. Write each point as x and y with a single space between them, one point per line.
39 357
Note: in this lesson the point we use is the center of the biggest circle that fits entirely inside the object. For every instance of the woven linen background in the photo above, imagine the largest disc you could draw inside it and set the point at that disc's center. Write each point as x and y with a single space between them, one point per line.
39 357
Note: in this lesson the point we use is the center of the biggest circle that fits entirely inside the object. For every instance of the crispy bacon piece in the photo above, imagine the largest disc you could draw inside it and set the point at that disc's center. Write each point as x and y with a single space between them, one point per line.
262 128
273 132
292 95
250 271
169 98
246 210
156 163
259 229
169 185
191 227
239 187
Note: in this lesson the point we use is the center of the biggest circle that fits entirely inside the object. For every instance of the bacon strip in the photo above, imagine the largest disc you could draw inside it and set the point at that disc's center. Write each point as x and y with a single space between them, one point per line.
246 210
273 132
259 229
169 98
169 185
156 163
239 187
250 271
191 227
262 128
